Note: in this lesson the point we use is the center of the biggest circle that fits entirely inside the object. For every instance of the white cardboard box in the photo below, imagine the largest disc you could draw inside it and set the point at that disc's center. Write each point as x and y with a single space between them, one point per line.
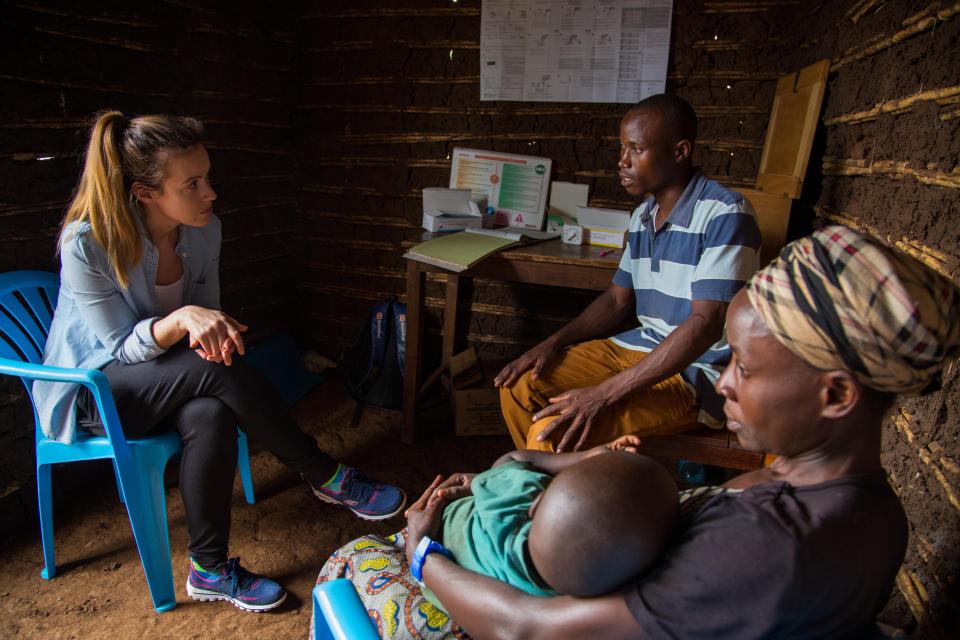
604 237
565 197
515 186
477 411
446 200
604 227
452 210
437 221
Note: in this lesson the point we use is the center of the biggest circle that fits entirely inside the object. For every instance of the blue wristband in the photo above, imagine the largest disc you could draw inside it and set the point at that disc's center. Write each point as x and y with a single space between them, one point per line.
424 549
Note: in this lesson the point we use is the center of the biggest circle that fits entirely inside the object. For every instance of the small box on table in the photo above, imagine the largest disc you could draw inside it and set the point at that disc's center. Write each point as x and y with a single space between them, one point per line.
604 227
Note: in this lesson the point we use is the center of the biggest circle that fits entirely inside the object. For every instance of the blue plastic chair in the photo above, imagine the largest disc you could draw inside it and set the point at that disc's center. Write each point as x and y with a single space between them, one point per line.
338 613
27 301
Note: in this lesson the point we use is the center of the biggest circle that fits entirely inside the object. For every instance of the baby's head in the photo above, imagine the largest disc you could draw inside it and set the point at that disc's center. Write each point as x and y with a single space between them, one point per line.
602 522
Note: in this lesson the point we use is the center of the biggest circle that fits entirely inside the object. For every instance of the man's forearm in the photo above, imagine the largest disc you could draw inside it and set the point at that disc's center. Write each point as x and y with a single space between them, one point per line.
678 350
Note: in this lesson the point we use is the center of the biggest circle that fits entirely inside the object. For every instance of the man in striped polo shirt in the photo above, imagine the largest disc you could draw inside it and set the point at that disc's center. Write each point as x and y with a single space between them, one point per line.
692 245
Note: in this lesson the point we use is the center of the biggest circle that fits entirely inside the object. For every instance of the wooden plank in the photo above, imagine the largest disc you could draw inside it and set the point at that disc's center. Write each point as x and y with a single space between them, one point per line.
894 169
793 121
414 350
913 25
942 96
450 311
773 216
716 447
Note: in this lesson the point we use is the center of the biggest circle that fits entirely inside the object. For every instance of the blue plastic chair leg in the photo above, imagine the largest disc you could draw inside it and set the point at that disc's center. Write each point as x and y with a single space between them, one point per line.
146 505
338 613
45 501
243 465
116 474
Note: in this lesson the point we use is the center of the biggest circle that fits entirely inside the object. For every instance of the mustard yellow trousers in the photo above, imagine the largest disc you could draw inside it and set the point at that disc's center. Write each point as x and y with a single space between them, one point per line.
665 408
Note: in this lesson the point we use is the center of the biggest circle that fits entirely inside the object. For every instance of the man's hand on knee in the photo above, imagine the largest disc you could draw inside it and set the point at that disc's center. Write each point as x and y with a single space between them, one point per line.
538 359
576 413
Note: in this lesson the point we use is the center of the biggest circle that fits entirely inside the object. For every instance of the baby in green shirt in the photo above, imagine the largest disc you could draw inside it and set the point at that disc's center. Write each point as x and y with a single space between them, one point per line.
581 524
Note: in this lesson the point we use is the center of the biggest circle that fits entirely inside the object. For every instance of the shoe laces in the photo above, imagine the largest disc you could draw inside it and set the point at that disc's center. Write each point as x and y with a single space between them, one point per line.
241 578
357 486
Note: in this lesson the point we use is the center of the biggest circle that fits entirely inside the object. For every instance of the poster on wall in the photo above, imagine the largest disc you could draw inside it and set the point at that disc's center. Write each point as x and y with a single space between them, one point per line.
574 50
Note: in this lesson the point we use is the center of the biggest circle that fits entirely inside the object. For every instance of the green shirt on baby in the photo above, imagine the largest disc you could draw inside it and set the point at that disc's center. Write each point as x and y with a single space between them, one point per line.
487 532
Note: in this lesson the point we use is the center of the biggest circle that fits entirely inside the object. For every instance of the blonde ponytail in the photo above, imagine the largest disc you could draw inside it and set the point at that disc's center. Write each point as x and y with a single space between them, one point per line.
101 197
121 152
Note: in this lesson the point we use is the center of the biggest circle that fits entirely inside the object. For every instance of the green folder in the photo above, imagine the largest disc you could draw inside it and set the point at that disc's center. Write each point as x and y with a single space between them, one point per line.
460 250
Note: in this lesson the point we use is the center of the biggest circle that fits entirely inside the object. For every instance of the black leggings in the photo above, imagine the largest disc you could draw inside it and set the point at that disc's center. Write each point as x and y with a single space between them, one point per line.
205 402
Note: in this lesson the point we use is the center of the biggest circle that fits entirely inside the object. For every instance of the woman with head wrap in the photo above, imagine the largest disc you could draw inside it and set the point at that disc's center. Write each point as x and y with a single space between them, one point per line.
847 324
823 340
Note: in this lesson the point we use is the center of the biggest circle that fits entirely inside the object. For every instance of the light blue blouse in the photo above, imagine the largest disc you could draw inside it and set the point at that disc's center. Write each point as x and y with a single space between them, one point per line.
98 321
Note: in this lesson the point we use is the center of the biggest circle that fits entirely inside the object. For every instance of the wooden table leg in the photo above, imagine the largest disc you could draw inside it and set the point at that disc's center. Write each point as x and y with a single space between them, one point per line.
414 351
450 309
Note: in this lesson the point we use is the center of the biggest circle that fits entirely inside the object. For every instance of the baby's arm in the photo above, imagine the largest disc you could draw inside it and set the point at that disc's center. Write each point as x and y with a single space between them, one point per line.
554 463
546 461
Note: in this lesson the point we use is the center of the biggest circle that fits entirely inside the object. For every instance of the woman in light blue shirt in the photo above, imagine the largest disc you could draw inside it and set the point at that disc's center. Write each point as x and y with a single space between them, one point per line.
140 300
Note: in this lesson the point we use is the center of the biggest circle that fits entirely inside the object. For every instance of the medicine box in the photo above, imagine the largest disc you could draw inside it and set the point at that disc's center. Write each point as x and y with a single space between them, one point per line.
604 227
453 210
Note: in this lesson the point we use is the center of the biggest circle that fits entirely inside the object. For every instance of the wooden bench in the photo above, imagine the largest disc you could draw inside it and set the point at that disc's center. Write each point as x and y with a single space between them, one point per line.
717 447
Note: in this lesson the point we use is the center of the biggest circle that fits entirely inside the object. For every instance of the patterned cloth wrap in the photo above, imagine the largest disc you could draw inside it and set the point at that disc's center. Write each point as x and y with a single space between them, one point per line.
840 299
378 569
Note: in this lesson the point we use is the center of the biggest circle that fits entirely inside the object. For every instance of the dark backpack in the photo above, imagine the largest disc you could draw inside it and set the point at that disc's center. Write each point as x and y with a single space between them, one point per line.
373 367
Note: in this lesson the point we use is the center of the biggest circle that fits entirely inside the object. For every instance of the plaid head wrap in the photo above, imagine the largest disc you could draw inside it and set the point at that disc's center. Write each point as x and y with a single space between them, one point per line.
840 300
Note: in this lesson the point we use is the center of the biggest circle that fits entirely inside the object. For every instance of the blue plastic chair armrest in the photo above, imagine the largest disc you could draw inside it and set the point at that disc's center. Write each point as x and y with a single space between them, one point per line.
87 377
338 613
99 386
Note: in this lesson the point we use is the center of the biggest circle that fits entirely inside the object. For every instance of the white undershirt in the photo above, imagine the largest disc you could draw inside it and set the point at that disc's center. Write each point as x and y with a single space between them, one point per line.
170 296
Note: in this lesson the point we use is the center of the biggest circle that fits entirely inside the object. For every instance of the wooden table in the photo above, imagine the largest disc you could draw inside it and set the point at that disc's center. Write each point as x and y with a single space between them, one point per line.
549 263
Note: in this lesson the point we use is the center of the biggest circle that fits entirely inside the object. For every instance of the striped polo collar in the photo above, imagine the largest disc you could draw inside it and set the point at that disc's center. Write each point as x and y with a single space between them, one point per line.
682 214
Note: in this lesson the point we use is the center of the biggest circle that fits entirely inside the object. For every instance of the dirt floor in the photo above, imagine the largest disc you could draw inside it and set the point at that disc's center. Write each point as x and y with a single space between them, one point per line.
100 590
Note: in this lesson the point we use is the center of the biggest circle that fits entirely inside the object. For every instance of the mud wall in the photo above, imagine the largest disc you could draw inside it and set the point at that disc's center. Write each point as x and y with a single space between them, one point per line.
388 89
228 63
887 161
